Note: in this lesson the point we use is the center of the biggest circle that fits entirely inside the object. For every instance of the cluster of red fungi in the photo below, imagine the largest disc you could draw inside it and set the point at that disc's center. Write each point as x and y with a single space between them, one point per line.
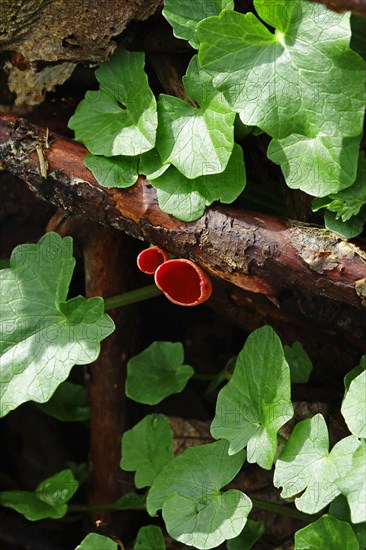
182 281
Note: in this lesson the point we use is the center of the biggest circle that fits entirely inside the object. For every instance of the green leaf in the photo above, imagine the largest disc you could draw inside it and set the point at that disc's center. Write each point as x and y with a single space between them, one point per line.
150 537
280 82
242 130
151 165
354 406
351 375
317 165
187 490
113 171
157 372
299 362
348 203
352 483
303 78
184 16
222 376
80 471
69 403
186 199
93 541
306 466
358 26
346 213
42 335
326 533
319 203
251 533
120 118
349 229
256 401
198 85
146 448
47 501
339 509
180 196
130 501
196 140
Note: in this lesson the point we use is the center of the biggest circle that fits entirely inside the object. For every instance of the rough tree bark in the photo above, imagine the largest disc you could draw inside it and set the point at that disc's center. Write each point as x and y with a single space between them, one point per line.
256 252
45 39
67 30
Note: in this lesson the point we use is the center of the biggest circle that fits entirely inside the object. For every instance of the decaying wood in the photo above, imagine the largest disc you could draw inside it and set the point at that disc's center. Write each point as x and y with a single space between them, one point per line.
43 40
254 251
67 30
187 433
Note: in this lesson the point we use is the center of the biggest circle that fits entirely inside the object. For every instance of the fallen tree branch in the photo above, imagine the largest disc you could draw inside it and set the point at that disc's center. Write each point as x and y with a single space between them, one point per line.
256 252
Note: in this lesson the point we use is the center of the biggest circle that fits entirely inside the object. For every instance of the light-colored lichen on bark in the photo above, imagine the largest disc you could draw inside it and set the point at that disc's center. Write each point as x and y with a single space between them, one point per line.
360 288
30 86
321 249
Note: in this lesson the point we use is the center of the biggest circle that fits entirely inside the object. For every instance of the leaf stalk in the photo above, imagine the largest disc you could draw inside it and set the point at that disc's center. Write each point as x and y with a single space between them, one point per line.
132 297
284 510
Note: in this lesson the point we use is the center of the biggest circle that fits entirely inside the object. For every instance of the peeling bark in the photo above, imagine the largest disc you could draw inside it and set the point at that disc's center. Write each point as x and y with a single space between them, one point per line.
257 252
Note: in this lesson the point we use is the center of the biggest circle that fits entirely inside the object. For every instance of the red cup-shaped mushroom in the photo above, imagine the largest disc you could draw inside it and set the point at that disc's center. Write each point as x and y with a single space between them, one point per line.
149 259
183 282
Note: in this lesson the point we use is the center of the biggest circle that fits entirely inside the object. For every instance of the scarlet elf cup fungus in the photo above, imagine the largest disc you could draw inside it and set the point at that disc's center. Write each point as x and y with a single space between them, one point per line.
149 259
183 282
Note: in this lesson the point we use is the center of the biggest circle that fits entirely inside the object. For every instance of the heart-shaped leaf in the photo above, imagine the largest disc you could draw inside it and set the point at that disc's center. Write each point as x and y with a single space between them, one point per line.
187 490
256 402
121 117
251 533
49 500
146 448
69 403
299 362
150 537
94 541
307 468
354 406
113 171
352 482
157 372
186 199
339 509
279 80
326 532
42 334
184 16
319 165
198 140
